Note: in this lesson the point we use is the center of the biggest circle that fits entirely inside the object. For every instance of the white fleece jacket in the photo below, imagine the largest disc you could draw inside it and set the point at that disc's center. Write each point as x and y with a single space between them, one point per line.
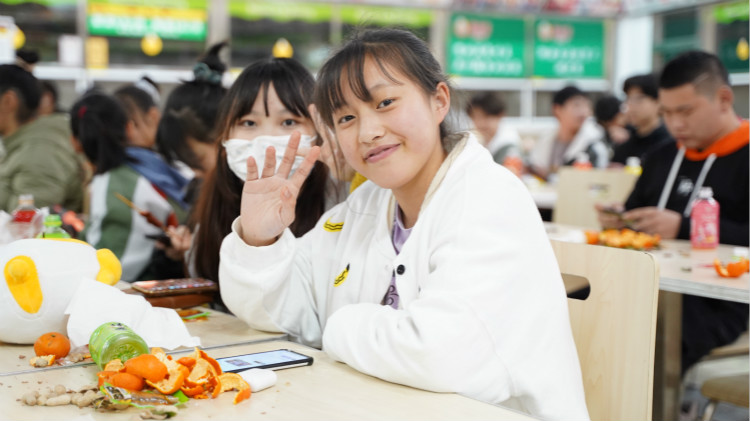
482 311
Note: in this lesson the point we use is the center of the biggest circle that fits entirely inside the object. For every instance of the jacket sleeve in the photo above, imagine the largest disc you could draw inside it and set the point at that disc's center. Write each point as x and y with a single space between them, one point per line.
270 288
40 173
490 320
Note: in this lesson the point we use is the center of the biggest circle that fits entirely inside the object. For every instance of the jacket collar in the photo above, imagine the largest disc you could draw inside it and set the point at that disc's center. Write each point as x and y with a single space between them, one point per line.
722 147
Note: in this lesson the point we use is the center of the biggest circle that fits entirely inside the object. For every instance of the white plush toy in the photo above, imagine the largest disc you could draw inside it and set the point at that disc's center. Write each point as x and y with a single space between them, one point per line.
41 276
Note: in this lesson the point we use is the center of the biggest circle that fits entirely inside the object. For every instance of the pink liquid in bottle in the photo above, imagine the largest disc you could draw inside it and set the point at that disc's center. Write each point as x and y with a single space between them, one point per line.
704 221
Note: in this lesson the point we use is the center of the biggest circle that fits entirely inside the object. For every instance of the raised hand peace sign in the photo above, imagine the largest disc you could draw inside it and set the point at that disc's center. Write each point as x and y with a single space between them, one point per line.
268 201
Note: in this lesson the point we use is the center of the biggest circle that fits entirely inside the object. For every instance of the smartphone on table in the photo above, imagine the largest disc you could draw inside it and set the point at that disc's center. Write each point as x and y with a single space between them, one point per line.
274 360
175 286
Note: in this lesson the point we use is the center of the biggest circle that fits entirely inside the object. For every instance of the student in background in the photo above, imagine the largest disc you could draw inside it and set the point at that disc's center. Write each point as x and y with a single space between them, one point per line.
647 132
188 127
39 158
99 125
577 136
48 103
608 114
186 137
415 278
143 122
486 110
696 101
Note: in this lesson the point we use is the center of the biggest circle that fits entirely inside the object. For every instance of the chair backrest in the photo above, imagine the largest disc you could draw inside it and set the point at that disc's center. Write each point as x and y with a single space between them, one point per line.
578 191
614 328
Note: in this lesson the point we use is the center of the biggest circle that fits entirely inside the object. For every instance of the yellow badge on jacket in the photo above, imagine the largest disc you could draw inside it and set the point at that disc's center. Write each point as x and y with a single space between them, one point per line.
342 277
333 226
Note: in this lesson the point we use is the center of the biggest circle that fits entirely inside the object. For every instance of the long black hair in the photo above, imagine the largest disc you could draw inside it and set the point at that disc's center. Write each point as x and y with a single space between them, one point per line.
98 122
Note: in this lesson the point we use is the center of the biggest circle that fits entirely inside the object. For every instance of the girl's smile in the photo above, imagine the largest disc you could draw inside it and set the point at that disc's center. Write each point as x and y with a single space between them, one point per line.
380 153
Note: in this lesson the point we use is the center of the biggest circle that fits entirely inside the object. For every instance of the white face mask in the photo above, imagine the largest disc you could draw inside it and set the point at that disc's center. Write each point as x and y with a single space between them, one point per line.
239 150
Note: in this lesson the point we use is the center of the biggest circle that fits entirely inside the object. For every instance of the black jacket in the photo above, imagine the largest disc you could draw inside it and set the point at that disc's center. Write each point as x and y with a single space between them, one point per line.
728 178
640 146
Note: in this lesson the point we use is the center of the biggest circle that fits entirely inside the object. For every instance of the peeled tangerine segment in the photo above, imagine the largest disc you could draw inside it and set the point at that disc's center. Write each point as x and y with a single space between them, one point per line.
23 282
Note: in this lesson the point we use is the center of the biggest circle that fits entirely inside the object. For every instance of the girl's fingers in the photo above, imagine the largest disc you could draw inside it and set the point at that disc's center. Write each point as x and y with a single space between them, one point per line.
303 151
306 167
252 169
291 151
269 166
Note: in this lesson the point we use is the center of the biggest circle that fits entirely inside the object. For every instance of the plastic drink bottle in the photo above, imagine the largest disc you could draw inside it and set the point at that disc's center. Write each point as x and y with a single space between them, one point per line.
633 165
25 223
704 221
582 162
115 340
53 228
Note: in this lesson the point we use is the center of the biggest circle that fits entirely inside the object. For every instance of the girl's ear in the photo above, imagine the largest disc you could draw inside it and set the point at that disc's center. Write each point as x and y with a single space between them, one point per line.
441 100
153 115
131 131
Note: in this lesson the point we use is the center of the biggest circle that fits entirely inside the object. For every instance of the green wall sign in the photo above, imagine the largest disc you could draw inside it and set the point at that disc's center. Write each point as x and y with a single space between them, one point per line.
385 16
317 13
483 46
567 49
728 13
256 10
175 19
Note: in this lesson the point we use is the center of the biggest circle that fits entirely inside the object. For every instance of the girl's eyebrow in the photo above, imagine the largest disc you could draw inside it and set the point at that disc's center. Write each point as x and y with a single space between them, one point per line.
380 85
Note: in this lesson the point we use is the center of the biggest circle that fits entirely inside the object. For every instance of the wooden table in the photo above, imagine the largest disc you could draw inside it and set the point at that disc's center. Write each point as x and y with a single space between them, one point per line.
689 271
327 390
682 271
220 329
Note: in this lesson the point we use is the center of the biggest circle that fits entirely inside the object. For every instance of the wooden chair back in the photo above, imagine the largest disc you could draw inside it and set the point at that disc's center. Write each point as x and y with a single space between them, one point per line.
614 328
578 191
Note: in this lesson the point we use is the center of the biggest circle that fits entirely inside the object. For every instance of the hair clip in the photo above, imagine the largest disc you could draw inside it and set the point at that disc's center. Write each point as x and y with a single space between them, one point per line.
201 71
82 111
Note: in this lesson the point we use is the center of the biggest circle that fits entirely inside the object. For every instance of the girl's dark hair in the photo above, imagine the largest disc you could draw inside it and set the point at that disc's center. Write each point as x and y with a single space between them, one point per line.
391 49
219 201
98 122
134 99
191 110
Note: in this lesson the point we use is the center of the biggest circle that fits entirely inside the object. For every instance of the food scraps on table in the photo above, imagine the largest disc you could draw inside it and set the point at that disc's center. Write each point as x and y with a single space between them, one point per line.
733 269
624 238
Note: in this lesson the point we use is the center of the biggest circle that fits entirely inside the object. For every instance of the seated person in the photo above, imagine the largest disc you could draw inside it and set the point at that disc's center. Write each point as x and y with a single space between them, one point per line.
711 150
486 111
39 158
577 136
98 123
608 114
647 132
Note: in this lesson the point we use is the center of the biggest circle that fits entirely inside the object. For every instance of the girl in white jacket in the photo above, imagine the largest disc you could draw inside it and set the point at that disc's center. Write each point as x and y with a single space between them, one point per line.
436 273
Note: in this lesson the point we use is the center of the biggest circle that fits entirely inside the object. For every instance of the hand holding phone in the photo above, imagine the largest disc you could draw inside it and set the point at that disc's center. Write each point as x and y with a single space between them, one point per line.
273 360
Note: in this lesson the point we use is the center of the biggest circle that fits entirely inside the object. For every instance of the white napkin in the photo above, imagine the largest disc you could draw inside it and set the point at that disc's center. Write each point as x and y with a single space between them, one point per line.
95 303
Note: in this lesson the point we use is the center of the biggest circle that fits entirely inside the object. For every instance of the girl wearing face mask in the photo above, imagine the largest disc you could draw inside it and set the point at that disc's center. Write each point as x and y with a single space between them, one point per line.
267 102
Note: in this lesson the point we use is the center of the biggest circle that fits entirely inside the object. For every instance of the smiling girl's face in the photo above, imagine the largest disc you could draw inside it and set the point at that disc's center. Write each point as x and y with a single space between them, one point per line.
393 139
278 122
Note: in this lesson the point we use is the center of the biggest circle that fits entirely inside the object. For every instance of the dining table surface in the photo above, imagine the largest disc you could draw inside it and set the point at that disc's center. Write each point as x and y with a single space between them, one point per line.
325 390
683 269
216 330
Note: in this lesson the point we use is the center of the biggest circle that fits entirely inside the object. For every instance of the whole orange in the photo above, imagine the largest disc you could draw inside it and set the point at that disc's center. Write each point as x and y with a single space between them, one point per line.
52 343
